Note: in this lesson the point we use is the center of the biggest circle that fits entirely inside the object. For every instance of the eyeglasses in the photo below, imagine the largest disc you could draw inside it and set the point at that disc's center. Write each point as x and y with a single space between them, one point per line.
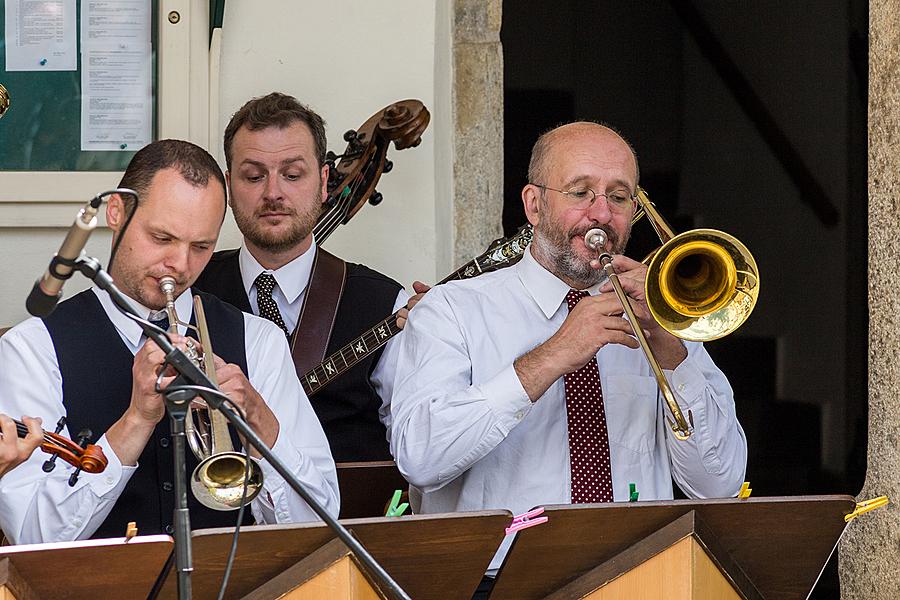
618 201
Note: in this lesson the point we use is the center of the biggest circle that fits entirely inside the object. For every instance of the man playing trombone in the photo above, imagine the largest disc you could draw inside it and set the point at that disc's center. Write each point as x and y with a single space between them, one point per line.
89 362
525 386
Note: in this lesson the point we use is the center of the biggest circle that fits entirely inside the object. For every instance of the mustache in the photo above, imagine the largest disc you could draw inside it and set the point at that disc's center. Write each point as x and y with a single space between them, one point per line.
274 206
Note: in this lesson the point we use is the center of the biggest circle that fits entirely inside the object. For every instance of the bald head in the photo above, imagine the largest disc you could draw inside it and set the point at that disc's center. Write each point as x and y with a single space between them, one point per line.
551 144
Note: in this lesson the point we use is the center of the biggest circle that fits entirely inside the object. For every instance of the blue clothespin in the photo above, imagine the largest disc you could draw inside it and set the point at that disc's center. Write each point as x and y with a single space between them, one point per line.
632 493
395 509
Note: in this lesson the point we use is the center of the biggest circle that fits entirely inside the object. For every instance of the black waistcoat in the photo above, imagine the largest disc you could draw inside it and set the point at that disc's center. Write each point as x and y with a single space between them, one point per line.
96 379
348 406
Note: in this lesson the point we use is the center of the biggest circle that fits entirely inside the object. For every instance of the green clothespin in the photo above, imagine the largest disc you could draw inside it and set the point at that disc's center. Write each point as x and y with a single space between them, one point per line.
393 509
345 192
632 492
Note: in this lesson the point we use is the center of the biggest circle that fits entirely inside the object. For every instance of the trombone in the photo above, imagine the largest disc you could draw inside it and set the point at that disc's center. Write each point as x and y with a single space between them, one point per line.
700 286
218 481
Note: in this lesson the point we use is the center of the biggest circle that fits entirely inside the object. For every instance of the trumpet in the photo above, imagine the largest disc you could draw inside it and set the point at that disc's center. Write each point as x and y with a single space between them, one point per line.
218 481
700 285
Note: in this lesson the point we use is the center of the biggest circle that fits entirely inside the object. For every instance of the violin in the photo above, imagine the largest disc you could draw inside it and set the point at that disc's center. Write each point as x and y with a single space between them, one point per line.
353 175
81 455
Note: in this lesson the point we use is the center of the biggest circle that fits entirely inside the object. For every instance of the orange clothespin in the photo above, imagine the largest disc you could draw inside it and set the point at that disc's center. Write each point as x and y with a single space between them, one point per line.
526 520
745 491
131 530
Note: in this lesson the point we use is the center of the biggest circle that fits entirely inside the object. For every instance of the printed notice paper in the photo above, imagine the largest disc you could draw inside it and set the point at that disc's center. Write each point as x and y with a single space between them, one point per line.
40 35
116 75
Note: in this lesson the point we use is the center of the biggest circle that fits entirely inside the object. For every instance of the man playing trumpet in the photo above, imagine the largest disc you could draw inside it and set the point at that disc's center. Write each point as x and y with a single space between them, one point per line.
525 386
89 362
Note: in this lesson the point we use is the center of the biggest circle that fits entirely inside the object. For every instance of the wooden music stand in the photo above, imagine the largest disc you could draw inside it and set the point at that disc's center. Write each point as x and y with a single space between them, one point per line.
111 568
771 548
439 557
366 487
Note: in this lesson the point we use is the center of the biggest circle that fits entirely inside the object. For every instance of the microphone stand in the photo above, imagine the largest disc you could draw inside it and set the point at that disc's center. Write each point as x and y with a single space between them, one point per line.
177 404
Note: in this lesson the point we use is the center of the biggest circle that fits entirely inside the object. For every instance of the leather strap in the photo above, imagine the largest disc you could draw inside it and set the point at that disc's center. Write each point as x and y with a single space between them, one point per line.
326 285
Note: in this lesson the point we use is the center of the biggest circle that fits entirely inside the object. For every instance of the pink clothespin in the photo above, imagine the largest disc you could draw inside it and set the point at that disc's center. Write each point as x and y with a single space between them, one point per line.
526 520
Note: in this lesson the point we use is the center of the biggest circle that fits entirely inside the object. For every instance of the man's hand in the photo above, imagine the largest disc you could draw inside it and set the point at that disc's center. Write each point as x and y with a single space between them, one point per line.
403 314
130 433
668 349
14 450
594 322
259 416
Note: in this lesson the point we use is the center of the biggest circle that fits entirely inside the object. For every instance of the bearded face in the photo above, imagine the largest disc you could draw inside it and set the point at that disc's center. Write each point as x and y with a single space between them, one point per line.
275 225
564 249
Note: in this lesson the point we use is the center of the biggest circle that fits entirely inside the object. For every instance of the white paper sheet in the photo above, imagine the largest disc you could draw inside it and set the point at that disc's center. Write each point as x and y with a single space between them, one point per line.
40 35
116 97
116 75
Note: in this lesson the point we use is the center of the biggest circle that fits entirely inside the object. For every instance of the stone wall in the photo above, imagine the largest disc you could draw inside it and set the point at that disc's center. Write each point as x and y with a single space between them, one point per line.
478 123
870 550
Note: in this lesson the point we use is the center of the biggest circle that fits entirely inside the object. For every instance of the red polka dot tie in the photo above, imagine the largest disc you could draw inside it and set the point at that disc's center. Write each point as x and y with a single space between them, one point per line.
588 438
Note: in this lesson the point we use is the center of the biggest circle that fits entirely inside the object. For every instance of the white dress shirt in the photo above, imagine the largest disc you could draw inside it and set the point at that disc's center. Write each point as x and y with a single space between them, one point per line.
467 436
38 507
292 280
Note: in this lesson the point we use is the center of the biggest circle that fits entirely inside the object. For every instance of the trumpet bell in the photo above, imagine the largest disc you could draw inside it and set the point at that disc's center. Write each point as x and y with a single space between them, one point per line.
702 285
218 481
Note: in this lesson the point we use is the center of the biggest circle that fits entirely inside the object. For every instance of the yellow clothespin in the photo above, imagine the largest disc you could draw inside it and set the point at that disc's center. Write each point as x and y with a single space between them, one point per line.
865 506
131 530
745 491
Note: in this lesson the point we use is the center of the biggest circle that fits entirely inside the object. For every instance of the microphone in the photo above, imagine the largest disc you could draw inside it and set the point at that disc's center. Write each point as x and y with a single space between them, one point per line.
47 290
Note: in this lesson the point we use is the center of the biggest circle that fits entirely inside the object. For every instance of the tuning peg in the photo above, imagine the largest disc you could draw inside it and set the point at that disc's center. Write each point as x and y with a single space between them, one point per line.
375 199
349 135
330 156
388 165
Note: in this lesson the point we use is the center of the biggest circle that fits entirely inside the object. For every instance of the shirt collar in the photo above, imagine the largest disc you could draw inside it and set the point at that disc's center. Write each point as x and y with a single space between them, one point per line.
130 330
547 290
291 278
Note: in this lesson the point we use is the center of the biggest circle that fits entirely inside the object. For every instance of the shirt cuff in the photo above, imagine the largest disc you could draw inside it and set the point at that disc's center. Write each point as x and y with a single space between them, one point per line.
688 382
114 476
506 398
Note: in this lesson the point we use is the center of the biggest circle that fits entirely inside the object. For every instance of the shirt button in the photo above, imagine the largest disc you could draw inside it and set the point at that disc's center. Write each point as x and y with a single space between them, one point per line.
520 414
109 480
164 442
77 522
680 387
169 529
167 486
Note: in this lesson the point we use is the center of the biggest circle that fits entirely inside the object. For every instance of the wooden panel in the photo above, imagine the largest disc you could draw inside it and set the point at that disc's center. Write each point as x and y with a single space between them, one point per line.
709 584
439 557
578 538
109 569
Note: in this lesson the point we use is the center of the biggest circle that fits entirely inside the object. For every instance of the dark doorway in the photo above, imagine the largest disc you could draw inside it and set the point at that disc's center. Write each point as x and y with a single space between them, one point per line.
750 118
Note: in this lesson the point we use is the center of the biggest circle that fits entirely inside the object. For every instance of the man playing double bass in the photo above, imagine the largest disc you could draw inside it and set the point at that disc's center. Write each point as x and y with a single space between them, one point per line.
277 179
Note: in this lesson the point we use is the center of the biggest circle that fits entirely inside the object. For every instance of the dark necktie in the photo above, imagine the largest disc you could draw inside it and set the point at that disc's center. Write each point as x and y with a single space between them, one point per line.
161 320
588 439
268 309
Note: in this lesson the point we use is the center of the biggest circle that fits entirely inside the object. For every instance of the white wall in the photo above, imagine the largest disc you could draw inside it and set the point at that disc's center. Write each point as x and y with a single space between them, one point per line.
348 60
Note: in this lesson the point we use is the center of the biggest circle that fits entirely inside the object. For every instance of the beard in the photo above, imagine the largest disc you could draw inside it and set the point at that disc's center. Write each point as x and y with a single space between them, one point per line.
135 282
275 239
553 247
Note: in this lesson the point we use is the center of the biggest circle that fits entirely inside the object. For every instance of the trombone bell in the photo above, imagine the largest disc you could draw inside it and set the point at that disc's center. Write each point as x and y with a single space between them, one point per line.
702 285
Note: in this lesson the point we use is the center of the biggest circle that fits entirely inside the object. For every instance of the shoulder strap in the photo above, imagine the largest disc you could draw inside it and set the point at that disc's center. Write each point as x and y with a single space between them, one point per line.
326 285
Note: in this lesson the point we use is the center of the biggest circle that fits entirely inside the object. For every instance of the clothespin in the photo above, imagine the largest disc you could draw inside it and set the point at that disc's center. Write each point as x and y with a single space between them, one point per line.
632 493
745 491
865 506
130 531
395 509
526 520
